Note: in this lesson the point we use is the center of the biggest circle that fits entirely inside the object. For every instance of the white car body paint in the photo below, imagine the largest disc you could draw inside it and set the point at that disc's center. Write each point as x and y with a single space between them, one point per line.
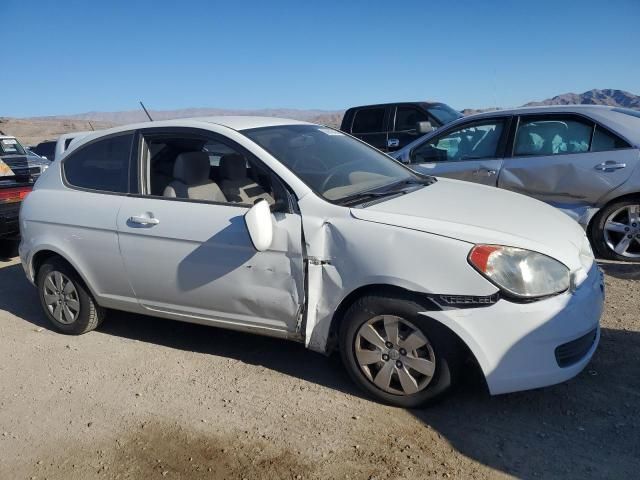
67 140
211 274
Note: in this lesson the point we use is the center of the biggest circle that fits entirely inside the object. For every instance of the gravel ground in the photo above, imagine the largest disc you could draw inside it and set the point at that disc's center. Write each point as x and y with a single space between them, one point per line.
150 398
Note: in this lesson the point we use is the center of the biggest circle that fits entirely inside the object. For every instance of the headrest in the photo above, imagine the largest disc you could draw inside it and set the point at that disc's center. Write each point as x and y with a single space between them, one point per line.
233 166
192 168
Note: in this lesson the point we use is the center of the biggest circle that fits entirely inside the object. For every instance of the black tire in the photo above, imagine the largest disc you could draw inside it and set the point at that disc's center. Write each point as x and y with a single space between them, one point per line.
597 232
90 314
446 348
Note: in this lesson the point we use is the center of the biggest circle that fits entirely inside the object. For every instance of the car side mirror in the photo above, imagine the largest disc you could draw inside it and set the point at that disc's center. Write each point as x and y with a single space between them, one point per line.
260 225
424 127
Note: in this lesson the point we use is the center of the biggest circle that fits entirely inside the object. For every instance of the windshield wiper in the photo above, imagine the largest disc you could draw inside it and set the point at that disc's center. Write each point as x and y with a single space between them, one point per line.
361 197
389 190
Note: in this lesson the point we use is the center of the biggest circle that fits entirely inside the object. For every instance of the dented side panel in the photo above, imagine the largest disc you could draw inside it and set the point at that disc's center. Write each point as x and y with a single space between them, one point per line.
568 181
199 261
342 258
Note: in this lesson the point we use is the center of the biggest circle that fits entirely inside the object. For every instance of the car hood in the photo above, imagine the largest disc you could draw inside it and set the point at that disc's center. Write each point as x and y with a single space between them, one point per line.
479 214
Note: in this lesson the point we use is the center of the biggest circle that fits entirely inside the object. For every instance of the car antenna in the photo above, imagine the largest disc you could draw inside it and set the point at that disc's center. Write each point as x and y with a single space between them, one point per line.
145 111
91 125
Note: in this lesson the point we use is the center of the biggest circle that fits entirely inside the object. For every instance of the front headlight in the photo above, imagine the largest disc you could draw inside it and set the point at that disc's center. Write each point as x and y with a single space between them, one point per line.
521 273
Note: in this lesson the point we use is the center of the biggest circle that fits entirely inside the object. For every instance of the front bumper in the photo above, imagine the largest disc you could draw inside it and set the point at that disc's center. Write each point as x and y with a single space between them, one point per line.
521 346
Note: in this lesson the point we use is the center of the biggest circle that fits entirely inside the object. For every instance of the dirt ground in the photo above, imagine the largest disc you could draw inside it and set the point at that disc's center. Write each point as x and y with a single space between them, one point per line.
150 398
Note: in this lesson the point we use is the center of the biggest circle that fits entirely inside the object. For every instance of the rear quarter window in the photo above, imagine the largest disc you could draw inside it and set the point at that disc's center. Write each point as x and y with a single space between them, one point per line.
604 141
102 165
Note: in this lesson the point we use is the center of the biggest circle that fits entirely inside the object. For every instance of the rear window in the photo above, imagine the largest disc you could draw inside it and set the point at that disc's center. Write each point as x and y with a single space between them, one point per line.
102 165
369 120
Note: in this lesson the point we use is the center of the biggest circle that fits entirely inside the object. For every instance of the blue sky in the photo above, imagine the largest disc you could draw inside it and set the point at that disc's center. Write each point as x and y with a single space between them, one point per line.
66 57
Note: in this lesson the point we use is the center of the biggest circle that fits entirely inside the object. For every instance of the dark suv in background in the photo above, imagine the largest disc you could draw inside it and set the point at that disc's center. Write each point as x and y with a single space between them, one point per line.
391 126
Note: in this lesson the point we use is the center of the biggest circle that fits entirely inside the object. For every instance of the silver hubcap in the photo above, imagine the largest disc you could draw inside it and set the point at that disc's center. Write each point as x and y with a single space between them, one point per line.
395 355
622 231
61 297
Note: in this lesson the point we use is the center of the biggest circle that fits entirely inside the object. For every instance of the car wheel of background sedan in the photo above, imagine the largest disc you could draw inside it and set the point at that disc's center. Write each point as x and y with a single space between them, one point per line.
616 231
395 354
65 300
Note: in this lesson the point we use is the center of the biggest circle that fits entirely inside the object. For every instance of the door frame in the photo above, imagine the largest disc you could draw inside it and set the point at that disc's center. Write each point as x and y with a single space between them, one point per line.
139 163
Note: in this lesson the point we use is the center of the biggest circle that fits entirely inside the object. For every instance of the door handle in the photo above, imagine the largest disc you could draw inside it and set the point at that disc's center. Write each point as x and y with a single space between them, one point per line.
146 220
393 143
610 166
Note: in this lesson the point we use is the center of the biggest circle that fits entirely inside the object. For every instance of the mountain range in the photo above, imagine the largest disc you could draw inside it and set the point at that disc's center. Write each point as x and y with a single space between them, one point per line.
35 129
607 96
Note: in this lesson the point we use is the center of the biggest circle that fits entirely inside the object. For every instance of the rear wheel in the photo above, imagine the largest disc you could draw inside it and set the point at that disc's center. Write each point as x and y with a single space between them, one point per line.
616 231
396 355
65 300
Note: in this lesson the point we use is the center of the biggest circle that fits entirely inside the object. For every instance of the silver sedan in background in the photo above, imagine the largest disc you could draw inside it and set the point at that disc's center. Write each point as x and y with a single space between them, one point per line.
582 159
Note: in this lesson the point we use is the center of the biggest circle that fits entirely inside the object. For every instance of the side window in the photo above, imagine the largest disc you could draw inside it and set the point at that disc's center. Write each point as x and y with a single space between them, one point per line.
552 135
472 141
102 165
369 120
216 150
200 167
604 140
407 117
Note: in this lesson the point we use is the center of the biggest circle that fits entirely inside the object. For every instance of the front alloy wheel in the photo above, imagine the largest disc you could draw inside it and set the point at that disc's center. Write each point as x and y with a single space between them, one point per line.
395 353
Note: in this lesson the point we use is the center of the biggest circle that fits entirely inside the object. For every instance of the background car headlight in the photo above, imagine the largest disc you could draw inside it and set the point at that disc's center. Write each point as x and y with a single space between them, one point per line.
520 272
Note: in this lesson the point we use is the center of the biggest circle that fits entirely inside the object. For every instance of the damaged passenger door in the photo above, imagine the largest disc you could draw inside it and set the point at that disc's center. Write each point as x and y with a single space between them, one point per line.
566 160
193 258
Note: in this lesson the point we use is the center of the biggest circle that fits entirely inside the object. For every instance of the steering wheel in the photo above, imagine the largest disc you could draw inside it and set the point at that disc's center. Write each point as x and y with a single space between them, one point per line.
331 174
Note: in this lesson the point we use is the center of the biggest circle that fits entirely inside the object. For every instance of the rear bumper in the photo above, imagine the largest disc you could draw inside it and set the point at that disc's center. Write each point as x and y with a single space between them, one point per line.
525 346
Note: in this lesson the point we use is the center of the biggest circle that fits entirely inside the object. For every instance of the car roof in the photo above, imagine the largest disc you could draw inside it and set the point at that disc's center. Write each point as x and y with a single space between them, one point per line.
2 137
545 109
625 125
420 102
234 122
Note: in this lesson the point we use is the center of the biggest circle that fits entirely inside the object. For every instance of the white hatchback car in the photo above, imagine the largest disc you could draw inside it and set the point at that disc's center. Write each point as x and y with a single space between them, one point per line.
295 230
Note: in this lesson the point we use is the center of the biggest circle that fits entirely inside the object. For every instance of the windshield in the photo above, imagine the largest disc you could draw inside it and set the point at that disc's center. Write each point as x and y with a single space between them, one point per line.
11 146
332 164
444 113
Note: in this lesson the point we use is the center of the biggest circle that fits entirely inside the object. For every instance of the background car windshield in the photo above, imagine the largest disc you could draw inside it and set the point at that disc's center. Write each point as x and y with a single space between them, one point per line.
11 146
332 164
444 113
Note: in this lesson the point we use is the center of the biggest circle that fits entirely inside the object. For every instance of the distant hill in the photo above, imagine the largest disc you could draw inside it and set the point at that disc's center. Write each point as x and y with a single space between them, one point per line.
34 130
608 96
131 116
